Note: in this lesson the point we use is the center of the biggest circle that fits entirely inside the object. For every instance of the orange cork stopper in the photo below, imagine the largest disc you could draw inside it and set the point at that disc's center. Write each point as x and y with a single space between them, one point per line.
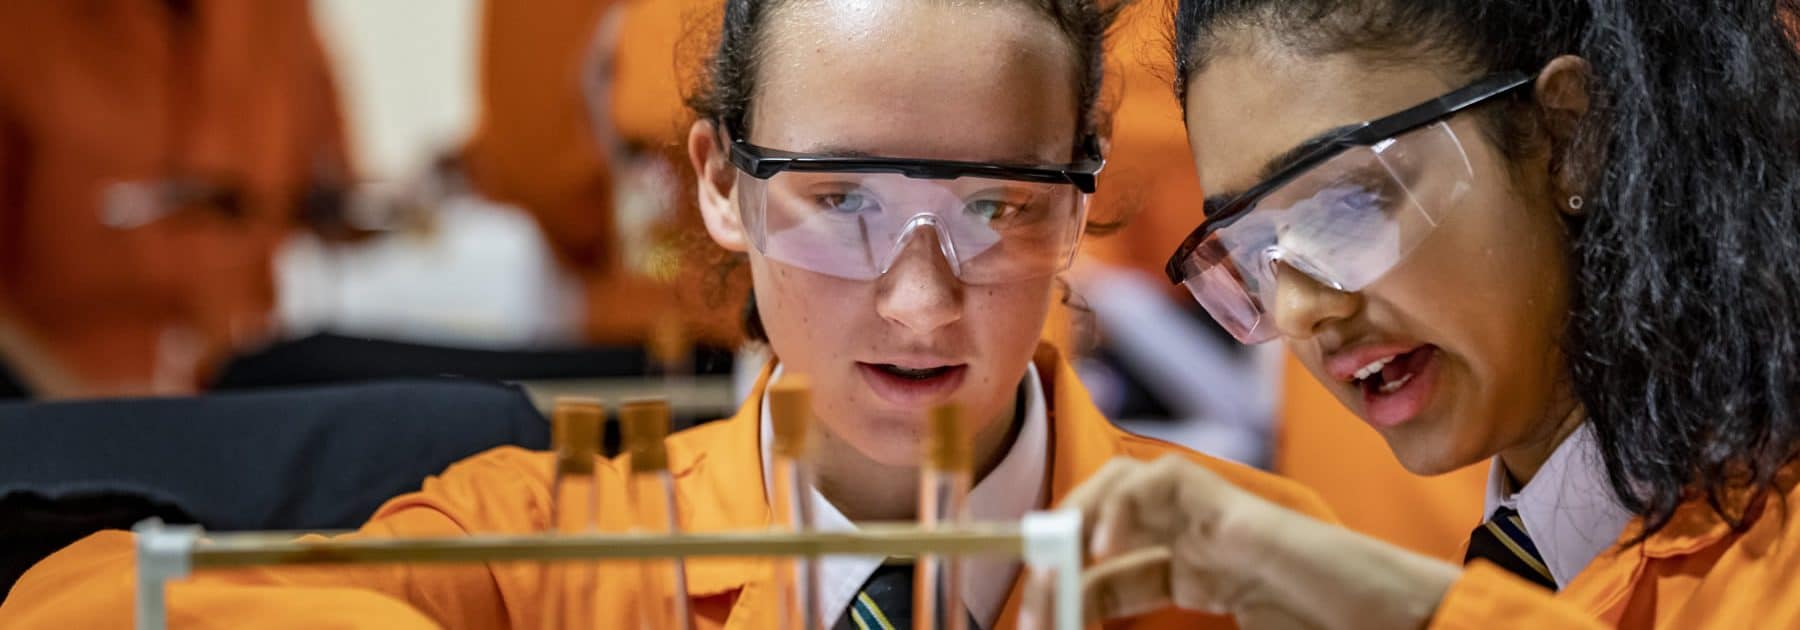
575 425
947 446
790 411
645 424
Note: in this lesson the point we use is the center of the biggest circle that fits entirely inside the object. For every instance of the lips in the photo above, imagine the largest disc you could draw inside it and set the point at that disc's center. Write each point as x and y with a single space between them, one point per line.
1396 381
913 383
914 374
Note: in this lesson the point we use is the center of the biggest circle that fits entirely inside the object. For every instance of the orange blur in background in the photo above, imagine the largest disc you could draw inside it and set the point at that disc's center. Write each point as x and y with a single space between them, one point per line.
232 97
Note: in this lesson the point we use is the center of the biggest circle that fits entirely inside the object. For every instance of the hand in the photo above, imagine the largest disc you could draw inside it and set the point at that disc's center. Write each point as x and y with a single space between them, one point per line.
1157 535
1173 533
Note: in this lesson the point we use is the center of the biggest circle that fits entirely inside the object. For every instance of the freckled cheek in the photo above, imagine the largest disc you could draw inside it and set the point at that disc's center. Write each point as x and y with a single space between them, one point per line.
1006 323
808 316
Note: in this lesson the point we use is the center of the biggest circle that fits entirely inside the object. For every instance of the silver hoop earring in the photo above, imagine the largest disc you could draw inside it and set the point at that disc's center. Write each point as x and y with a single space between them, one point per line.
1575 202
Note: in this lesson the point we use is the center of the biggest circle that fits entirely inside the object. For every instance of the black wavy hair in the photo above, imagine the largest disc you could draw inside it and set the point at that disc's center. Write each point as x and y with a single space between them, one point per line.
722 94
1684 335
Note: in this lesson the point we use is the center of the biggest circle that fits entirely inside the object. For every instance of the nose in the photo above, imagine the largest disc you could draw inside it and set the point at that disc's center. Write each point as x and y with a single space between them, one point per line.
1304 306
920 291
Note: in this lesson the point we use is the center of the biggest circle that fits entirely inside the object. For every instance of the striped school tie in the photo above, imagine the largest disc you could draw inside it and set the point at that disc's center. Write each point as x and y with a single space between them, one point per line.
884 603
1502 541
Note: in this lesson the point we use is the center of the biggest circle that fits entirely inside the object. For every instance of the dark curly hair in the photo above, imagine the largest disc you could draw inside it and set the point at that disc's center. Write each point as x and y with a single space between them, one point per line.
727 81
1684 335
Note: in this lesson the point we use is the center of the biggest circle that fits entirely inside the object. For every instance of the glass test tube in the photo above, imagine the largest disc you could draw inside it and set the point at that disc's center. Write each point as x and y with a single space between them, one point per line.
569 586
943 503
651 489
790 413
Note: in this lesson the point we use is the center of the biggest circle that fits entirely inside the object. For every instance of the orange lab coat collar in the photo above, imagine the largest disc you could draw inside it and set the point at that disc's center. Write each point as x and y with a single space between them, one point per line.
1605 586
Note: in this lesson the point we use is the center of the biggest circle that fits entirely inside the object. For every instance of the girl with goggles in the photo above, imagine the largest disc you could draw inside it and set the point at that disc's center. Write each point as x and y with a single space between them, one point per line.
905 204
1555 236
905 179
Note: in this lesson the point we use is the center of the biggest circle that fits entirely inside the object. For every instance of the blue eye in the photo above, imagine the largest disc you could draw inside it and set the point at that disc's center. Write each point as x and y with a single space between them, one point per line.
1363 199
845 203
1371 192
992 210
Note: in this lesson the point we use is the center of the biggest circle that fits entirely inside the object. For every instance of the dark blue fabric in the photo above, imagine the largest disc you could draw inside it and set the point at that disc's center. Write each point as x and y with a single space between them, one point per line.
303 458
329 358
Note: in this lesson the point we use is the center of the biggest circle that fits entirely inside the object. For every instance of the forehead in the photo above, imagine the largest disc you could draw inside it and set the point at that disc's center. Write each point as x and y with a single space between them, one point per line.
978 81
1253 104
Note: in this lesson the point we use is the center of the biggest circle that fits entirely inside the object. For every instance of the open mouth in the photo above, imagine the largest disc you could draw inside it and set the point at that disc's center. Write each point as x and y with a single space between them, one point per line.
914 374
915 385
1392 373
1388 375
1397 388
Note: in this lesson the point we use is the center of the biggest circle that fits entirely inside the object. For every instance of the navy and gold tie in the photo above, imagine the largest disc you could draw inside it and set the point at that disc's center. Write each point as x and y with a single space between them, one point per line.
884 603
1502 541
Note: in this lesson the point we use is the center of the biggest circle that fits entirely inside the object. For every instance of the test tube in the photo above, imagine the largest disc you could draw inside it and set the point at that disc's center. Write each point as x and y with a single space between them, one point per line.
569 586
651 489
943 503
790 414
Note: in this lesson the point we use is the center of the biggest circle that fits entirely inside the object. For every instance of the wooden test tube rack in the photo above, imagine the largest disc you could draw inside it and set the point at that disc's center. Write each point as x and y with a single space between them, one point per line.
1045 540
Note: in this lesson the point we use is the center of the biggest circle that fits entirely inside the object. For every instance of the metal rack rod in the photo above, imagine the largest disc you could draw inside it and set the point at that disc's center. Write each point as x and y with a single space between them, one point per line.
1045 540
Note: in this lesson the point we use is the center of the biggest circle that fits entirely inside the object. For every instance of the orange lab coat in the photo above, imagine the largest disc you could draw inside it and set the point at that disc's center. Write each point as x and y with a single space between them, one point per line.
1322 445
661 46
719 486
97 92
535 147
1150 177
1695 573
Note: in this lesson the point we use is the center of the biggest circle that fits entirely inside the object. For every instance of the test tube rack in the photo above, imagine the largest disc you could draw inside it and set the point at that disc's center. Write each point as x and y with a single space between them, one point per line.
1046 541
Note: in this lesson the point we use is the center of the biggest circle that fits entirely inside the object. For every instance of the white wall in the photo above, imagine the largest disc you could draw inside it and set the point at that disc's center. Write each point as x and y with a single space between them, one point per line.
406 74
406 71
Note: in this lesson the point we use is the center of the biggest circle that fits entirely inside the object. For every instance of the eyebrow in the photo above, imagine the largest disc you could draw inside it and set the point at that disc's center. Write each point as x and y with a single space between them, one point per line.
1214 203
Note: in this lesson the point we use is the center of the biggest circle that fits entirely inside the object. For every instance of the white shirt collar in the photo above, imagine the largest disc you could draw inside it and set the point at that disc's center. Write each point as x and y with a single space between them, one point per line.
1019 484
1568 508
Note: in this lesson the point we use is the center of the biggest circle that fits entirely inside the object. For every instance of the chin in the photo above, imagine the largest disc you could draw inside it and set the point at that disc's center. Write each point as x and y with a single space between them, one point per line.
891 442
892 453
1429 451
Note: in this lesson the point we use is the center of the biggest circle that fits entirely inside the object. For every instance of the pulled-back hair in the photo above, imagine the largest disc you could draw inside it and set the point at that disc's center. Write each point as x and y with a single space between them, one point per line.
724 91
727 83
1684 336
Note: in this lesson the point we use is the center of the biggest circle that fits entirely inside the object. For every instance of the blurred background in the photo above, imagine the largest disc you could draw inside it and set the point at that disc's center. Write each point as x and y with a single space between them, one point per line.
201 194
209 196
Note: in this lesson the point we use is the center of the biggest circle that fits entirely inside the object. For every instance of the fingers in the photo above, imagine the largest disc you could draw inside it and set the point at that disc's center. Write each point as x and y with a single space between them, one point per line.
1146 507
1127 585
1135 513
1087 497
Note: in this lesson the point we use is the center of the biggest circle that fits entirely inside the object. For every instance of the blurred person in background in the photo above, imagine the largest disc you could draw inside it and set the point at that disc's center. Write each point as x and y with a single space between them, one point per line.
580 125
152 155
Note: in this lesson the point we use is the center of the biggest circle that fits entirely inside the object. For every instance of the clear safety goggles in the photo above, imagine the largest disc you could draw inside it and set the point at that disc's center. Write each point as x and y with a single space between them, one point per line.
851 217
1347 209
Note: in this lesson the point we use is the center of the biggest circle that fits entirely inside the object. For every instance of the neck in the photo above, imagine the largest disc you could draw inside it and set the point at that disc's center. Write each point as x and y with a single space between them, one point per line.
867 490
1523 461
